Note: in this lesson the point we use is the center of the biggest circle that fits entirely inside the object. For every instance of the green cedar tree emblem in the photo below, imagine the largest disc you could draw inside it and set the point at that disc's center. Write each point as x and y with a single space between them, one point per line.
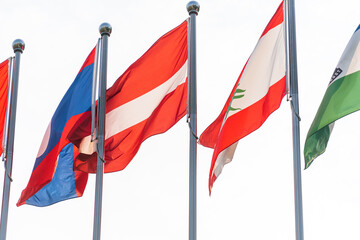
237 94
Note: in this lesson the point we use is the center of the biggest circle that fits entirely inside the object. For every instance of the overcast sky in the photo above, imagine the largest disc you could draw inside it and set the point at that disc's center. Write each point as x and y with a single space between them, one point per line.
254 196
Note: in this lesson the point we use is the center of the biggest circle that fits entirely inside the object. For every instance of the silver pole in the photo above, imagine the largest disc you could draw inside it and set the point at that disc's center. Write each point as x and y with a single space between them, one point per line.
105 31
18 46
94 88
193 9
294 101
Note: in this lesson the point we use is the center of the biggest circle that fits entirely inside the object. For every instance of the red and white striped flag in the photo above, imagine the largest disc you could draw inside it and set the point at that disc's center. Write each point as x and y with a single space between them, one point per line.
147 99
257 93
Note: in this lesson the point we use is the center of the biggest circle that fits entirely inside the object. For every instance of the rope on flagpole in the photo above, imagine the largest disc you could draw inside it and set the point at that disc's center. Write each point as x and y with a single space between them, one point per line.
191 129
289 99
7 172
99 155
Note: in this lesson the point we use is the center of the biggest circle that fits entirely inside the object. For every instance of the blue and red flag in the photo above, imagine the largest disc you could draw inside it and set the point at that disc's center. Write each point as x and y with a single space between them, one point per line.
53 178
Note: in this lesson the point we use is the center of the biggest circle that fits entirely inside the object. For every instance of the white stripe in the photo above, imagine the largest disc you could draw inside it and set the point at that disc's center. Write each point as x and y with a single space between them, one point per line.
141 108
45 141
224 157
266 66
350 59
135 111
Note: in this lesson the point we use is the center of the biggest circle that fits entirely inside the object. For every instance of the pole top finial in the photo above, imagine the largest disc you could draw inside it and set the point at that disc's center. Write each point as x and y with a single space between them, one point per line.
193 7
18 45
105 28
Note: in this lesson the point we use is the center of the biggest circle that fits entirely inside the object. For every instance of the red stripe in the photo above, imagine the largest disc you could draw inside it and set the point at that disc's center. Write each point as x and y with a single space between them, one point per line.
252 117
155 67
89 60
277 19
249 119
80 177
4 76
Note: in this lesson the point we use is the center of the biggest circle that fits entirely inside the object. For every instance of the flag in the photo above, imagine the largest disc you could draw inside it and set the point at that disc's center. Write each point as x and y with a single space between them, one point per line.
341 98
53 178
147 99
4 86
257 93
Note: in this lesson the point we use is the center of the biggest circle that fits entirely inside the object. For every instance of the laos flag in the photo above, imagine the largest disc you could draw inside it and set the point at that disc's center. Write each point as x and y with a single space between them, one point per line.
53 178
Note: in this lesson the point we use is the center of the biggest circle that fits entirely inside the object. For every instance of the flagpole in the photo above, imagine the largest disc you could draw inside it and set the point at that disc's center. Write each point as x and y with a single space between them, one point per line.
18 46
193 9
105 31
294 101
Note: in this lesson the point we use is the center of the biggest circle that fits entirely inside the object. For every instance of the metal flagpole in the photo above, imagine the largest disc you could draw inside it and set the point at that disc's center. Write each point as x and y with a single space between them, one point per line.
18 46
193 9
291 73
105 31
94 88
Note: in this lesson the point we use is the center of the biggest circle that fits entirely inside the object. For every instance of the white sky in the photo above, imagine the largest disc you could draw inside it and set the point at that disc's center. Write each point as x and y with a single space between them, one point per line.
253 197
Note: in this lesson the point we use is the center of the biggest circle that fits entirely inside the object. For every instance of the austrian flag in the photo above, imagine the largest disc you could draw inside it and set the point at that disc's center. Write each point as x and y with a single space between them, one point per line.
257 93
147 99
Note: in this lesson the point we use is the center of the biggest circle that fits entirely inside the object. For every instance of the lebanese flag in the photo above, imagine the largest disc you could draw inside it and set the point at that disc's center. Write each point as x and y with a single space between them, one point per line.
147 99
257 93
4 86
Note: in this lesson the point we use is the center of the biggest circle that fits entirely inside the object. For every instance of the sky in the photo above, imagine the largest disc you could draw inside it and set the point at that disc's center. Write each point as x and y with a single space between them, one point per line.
254 196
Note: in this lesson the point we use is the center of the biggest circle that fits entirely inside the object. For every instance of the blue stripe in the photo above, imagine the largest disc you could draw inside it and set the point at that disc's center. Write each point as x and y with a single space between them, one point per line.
62 186
76 100
357 28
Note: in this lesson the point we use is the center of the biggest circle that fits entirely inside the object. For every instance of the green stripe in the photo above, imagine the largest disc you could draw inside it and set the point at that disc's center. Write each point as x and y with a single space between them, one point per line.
341 98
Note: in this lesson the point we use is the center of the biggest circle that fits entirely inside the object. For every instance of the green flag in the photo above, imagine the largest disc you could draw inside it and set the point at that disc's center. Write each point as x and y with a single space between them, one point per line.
341 98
